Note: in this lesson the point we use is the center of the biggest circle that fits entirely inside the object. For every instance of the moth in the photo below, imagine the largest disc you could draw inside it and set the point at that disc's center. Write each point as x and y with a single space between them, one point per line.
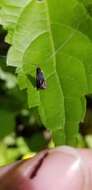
40 79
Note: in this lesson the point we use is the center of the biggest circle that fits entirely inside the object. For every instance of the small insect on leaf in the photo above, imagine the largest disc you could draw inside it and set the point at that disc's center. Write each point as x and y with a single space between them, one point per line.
40 79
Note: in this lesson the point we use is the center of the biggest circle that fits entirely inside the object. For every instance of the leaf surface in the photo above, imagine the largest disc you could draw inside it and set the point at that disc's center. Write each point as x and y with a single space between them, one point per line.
55 36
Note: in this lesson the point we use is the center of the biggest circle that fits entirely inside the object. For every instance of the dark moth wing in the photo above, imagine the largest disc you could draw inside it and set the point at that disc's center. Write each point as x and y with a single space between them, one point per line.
40 80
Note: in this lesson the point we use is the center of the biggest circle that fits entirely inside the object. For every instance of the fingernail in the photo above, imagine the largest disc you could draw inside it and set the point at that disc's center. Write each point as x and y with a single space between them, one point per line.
79 162
67 149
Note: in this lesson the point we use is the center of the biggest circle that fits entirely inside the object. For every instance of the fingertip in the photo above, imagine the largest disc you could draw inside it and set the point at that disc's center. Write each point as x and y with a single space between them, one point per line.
28 166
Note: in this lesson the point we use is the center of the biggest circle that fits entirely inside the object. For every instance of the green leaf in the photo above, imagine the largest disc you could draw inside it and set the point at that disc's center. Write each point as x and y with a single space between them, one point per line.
7 122
9 14
55 35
